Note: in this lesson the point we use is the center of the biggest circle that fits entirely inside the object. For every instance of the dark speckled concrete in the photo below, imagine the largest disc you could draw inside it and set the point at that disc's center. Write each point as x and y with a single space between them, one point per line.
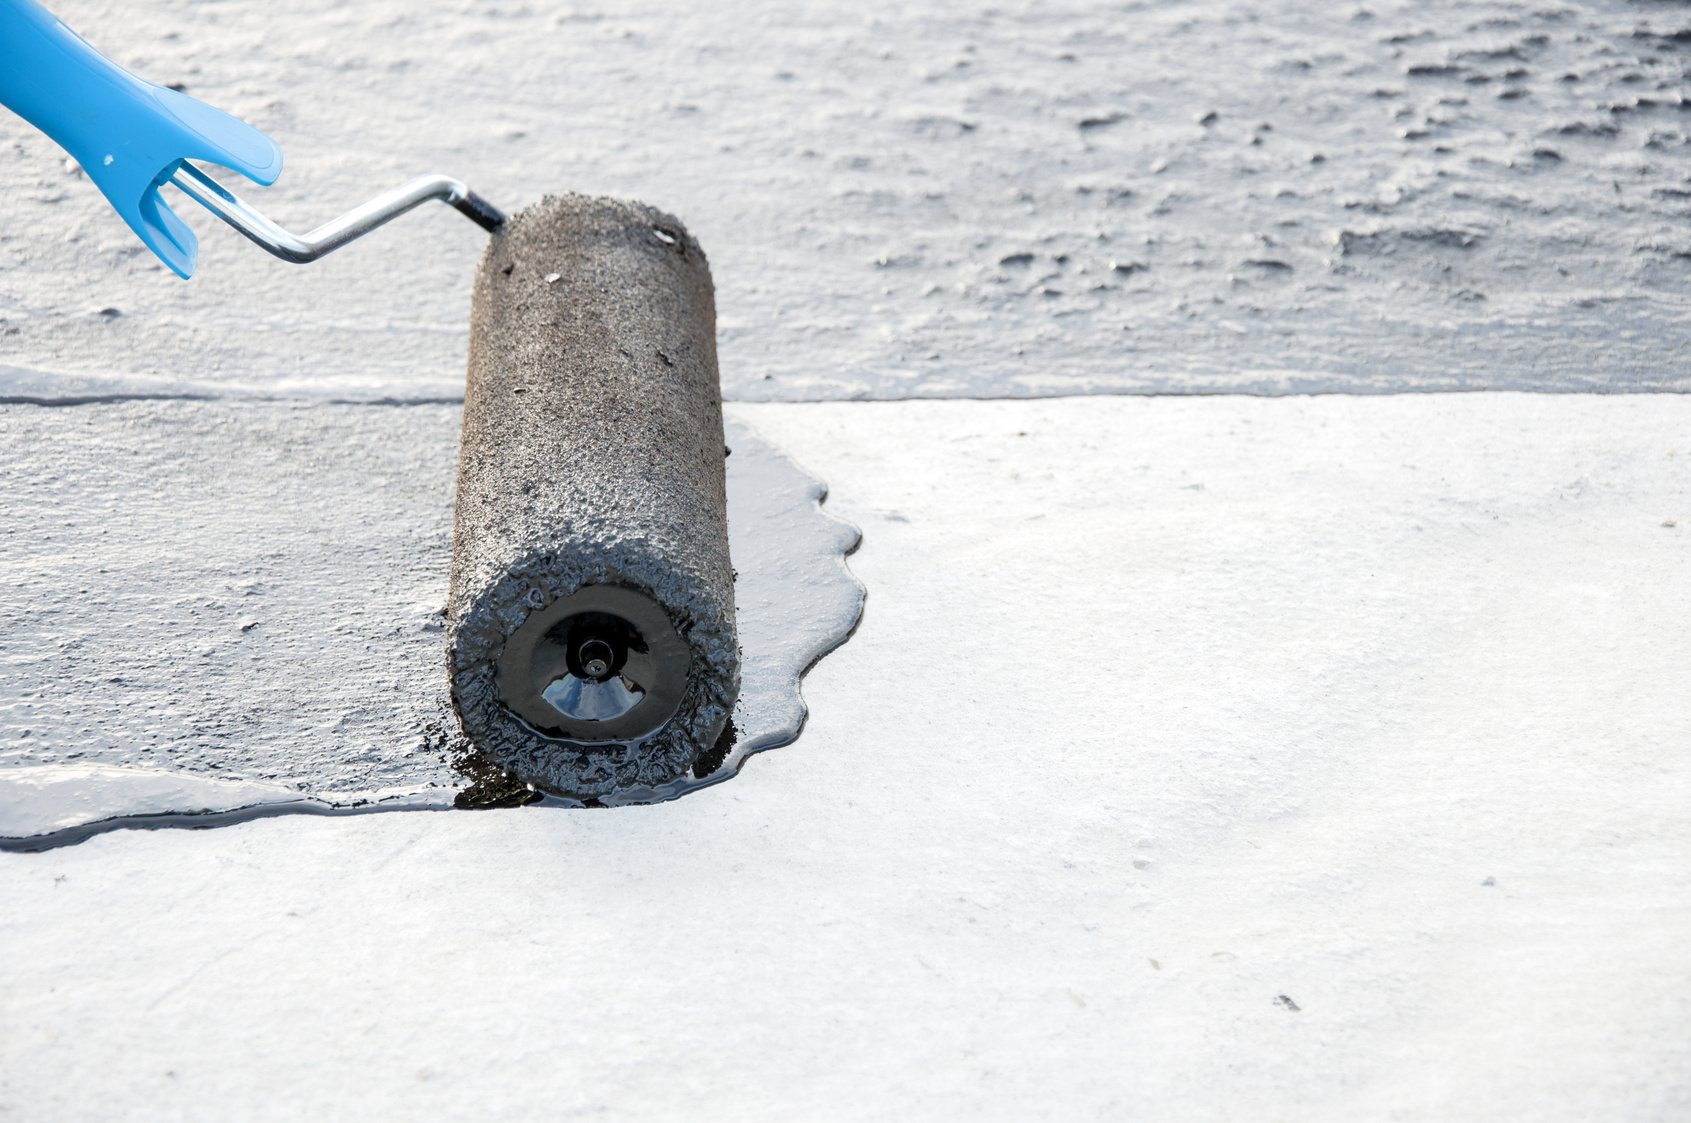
592 453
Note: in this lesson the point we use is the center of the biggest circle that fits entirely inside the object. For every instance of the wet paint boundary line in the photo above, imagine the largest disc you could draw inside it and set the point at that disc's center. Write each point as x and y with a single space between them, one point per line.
207 820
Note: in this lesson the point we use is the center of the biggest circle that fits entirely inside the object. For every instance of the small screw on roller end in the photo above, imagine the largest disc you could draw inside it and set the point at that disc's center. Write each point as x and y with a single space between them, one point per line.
596 658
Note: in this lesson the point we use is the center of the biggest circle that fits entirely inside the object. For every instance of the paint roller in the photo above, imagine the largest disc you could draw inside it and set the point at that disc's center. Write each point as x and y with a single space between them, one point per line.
592 646
592 640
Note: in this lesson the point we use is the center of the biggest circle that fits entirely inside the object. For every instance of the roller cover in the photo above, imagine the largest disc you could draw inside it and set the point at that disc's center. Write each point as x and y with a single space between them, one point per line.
590 568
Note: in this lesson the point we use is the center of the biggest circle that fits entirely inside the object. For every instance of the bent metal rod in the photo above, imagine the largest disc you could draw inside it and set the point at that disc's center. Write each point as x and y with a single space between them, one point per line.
334 234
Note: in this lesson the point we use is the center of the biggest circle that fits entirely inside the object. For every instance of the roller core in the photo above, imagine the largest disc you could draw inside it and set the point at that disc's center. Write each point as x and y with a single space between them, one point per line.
603 664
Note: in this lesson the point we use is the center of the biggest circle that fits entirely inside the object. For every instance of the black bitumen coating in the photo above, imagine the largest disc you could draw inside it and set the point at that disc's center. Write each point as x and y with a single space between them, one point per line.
592 453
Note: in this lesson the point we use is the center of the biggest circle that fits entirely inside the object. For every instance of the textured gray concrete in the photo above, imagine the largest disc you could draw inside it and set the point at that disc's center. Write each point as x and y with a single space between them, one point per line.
903 199
592 453
234 590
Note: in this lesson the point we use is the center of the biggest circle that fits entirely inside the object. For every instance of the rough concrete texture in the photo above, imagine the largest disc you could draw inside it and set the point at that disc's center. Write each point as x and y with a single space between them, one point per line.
238 590
592 454
920 199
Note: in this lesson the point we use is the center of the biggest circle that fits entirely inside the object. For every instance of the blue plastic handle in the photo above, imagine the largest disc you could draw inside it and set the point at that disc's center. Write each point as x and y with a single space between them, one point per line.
129 135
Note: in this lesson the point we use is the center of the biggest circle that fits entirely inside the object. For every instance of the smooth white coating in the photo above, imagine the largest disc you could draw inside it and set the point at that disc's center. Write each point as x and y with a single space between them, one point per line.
1391 649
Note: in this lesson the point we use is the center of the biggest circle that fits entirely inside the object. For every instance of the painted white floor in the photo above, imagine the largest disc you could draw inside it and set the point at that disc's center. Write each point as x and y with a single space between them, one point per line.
1165 715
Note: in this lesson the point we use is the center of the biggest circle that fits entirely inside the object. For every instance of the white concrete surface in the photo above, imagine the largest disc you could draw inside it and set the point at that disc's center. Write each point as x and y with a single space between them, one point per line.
1159 712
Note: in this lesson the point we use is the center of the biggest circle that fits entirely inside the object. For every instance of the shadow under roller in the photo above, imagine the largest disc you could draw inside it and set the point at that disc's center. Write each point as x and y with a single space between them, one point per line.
592 646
